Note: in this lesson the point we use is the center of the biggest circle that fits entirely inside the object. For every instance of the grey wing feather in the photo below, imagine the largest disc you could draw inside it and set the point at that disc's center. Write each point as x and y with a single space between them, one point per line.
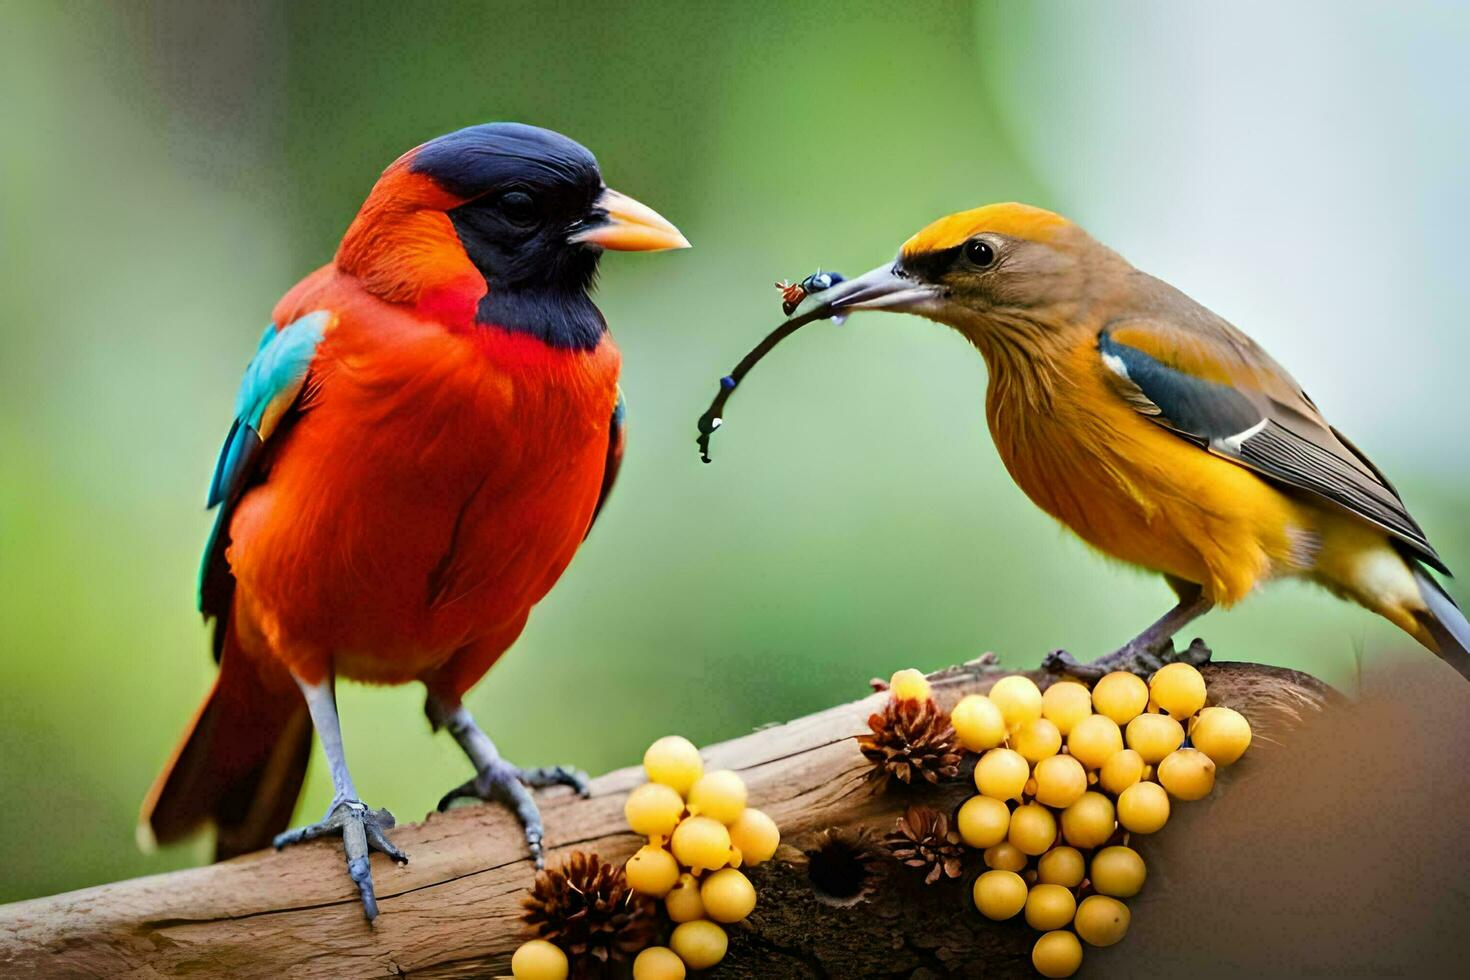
1288 443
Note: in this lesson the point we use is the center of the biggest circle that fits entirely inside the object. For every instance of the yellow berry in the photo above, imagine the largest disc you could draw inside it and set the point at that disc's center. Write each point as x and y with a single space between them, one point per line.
728 895
1060 781
538 960
1033 829
999 894
1188 774
1118 871
701 844
1154 736
1036 740
653 810
1094 739
755 836
1101 920
1061 866
1001 774
1088 822
909 685
1057 954
652 871
1122 770
1066 703
1120 695
978 723
1223 734
683 902
719 794
983 822
1018 698
700 944
1049 907
658 963
673 761
1005 856
1143 808
1178 688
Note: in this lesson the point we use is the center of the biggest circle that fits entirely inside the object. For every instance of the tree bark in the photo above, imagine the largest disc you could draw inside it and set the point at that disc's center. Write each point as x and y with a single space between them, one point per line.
453 911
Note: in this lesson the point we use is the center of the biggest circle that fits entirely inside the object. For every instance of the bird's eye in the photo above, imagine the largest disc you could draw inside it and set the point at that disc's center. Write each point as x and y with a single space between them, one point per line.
518 206
979 253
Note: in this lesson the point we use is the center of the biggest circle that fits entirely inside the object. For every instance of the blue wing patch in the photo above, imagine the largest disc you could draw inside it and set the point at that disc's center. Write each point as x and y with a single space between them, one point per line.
272 382
1202 410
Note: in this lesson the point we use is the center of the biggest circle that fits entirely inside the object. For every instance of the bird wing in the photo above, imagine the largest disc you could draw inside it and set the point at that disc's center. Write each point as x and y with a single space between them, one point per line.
269 392
616 437
1212 385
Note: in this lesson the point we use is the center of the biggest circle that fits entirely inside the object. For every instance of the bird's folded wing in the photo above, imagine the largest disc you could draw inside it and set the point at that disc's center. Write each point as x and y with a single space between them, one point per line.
272 387
1215 387
616 437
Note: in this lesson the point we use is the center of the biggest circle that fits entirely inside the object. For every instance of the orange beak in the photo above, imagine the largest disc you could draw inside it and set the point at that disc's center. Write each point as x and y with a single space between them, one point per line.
628 226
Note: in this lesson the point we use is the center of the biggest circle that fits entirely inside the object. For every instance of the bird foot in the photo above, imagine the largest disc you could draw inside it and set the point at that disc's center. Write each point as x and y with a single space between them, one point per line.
362 830
501 782
1133 658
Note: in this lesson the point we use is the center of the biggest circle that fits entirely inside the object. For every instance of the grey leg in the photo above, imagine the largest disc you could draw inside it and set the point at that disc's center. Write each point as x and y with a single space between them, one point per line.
1149 650
1162 632
360 827
497 780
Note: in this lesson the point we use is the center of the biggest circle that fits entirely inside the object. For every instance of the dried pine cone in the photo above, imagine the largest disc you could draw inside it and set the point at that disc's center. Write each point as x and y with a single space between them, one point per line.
912 738
586 907
924 839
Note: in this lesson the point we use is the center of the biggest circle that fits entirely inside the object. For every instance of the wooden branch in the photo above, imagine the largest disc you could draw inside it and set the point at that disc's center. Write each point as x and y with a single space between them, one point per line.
454 910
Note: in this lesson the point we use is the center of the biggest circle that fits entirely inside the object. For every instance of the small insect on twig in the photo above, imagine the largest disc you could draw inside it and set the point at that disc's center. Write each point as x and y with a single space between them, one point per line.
792 293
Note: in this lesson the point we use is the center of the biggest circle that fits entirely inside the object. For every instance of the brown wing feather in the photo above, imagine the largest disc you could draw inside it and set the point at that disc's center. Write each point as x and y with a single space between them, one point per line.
1186 360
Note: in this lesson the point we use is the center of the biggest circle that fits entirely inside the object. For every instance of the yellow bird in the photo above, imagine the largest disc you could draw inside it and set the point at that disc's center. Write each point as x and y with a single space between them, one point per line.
1155 430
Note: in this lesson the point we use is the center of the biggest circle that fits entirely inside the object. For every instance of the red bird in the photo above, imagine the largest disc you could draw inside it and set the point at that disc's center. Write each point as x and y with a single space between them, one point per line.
422 441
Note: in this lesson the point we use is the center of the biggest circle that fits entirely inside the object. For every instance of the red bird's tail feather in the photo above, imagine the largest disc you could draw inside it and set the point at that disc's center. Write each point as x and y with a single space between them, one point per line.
241 763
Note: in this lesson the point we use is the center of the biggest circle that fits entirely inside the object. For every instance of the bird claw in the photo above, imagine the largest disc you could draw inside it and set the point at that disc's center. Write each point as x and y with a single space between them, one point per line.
501 782
1197 654
1133 658
362 830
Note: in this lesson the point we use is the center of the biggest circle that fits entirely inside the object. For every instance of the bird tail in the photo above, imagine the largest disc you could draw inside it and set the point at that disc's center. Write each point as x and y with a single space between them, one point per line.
1443 621
240 764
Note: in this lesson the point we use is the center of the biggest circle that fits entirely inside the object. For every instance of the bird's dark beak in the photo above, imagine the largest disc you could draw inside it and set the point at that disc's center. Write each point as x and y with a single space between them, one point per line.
628 226
881 289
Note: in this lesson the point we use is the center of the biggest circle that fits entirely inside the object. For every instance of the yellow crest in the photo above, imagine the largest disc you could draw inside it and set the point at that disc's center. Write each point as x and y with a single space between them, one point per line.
1012 220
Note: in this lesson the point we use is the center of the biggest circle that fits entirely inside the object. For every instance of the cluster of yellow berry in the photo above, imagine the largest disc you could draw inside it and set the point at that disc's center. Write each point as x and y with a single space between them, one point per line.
1065 778
700 833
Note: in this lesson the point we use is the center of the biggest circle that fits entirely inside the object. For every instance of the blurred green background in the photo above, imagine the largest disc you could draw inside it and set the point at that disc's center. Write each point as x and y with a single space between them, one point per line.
169 169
